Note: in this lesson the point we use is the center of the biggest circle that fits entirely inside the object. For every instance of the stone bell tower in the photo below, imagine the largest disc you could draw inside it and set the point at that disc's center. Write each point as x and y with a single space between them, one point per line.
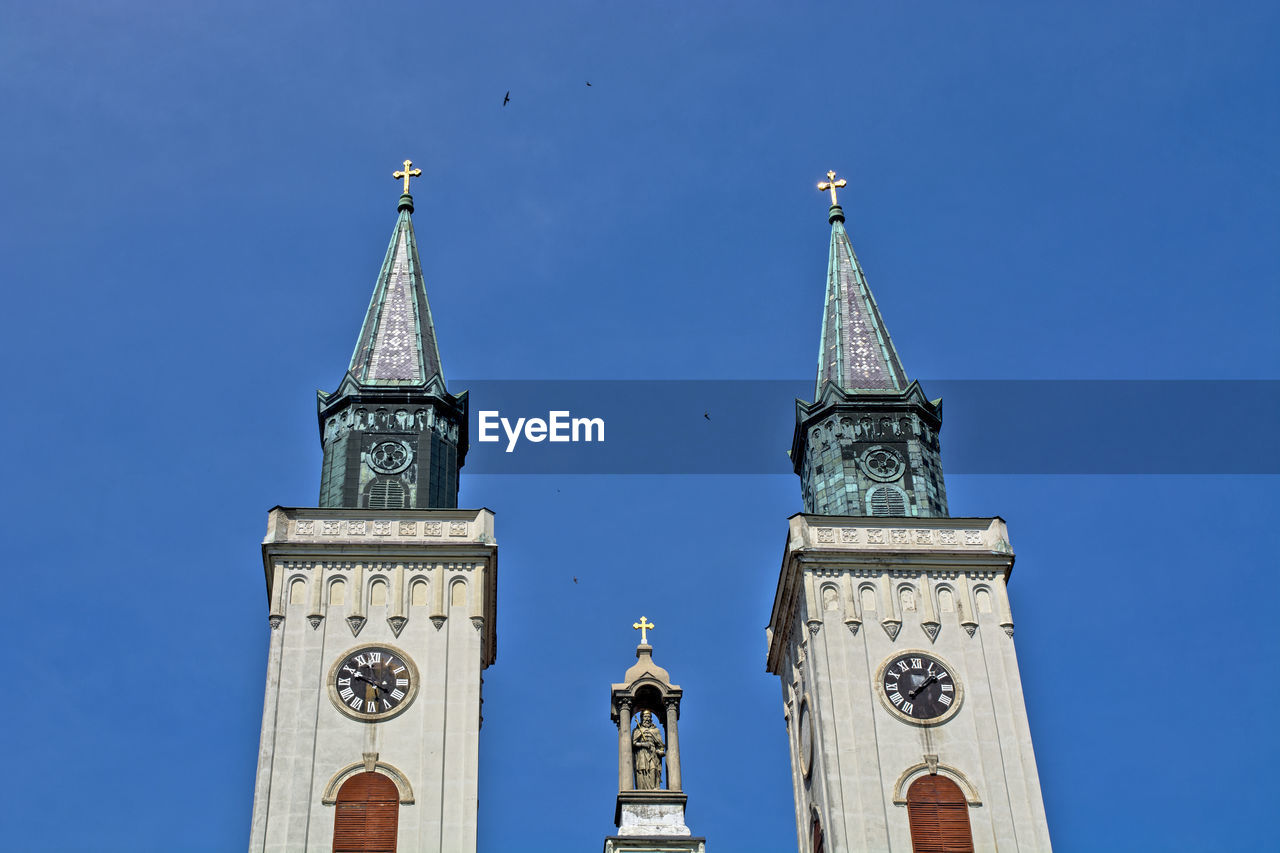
891 631
381 604
650 809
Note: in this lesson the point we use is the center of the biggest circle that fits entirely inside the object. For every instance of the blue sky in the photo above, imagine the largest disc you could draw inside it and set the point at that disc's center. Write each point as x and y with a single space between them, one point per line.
197 198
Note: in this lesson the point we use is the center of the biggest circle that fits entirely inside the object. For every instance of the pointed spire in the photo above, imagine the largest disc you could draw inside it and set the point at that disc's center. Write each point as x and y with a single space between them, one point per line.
856 353
397 343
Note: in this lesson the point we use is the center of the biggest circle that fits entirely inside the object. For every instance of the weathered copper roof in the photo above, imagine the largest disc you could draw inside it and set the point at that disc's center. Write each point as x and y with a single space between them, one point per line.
397 343
855 352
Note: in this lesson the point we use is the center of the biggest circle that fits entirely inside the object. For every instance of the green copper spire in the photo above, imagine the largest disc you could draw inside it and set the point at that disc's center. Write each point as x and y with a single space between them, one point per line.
393 436
855 351
868 443
397 343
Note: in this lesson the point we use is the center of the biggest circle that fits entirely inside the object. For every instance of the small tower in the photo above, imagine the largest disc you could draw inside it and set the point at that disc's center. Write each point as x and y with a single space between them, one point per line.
868 443
650 810
393 436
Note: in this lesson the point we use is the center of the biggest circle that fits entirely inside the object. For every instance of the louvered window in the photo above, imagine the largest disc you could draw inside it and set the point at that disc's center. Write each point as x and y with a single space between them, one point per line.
886 500
367 810
818 846
939 816
386 494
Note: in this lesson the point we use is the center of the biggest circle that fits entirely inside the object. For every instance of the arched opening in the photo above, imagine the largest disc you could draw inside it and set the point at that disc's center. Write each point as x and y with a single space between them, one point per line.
939 816
387 494
888 501
816 829
378 593
368 810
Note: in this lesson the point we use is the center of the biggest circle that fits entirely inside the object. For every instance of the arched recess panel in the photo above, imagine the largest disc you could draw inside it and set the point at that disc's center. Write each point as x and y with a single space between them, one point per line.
939 816
367 814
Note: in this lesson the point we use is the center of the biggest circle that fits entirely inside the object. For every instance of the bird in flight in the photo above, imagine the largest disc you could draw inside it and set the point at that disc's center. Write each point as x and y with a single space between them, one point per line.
707 415
506 99
575 580
588 82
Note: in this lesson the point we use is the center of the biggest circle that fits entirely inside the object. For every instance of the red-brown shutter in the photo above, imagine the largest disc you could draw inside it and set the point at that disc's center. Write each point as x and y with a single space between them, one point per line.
817 836
939 816
367 812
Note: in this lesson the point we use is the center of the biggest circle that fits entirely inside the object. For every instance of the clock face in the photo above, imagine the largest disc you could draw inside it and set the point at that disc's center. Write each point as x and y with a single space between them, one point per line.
918 687
373 682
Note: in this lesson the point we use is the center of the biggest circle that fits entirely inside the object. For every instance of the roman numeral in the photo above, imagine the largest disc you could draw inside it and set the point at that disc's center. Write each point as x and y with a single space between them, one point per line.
916 663
375 657
356 702
947 688
361 661
371 705
902 665
346 694
344 682
906 707
943 674
944 699
398 670
402 682
397 695
386 706
895 698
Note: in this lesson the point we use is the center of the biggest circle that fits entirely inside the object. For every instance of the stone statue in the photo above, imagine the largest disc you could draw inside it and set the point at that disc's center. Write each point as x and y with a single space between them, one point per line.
648 749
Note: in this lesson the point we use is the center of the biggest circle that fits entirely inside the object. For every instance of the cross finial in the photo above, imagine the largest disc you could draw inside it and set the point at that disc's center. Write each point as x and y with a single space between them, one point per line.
829 184
413 173
644 626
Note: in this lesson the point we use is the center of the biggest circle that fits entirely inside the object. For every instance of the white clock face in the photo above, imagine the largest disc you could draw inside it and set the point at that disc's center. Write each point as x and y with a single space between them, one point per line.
373 682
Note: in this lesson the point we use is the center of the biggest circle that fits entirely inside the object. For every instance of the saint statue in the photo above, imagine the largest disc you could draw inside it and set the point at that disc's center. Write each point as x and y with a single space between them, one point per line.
648 749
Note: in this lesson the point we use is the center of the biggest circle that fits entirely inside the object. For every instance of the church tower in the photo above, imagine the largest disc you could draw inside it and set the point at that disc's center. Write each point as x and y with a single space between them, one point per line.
891 630
381 604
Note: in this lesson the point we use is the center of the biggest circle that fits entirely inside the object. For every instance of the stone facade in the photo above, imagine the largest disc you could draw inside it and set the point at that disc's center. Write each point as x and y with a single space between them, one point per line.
854 592
421 582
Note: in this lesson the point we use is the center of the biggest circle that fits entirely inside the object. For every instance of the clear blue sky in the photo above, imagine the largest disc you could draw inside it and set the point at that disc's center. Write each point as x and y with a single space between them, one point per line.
195 202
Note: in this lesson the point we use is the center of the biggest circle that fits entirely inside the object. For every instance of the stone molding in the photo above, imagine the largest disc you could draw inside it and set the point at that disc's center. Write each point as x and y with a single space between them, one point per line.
932 767
395 774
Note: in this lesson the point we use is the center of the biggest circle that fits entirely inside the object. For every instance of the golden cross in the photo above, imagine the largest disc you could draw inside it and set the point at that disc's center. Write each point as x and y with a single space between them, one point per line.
829 184
644 626
413 173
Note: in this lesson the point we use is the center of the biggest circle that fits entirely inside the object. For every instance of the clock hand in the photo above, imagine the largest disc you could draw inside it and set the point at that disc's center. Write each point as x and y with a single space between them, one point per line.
930 680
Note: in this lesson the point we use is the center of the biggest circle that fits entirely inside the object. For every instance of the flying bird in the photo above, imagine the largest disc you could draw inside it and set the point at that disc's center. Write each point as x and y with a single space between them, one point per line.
575 580
707 415
588 82
506 99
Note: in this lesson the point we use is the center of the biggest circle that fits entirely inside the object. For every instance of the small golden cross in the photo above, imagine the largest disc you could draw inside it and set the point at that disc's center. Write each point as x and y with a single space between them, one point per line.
644 626
829 184
413 173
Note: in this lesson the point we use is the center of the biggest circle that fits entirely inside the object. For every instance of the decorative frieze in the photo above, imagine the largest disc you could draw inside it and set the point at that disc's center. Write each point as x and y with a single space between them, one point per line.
404 529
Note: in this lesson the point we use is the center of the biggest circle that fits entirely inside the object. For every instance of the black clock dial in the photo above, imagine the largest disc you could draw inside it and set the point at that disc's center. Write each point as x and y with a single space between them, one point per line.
373 682
920 686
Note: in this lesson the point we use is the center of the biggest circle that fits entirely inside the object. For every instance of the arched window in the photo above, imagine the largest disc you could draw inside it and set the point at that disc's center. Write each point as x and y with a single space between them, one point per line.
818 846
887 500
338 592
939 816
378 593
367 811
386 494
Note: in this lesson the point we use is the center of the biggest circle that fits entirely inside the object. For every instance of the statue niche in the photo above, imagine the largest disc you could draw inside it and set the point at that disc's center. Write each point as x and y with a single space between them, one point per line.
647 749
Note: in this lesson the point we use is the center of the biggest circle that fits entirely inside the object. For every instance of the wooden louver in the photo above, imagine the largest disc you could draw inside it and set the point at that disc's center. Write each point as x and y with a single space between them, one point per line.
886 500
939 816
366 815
